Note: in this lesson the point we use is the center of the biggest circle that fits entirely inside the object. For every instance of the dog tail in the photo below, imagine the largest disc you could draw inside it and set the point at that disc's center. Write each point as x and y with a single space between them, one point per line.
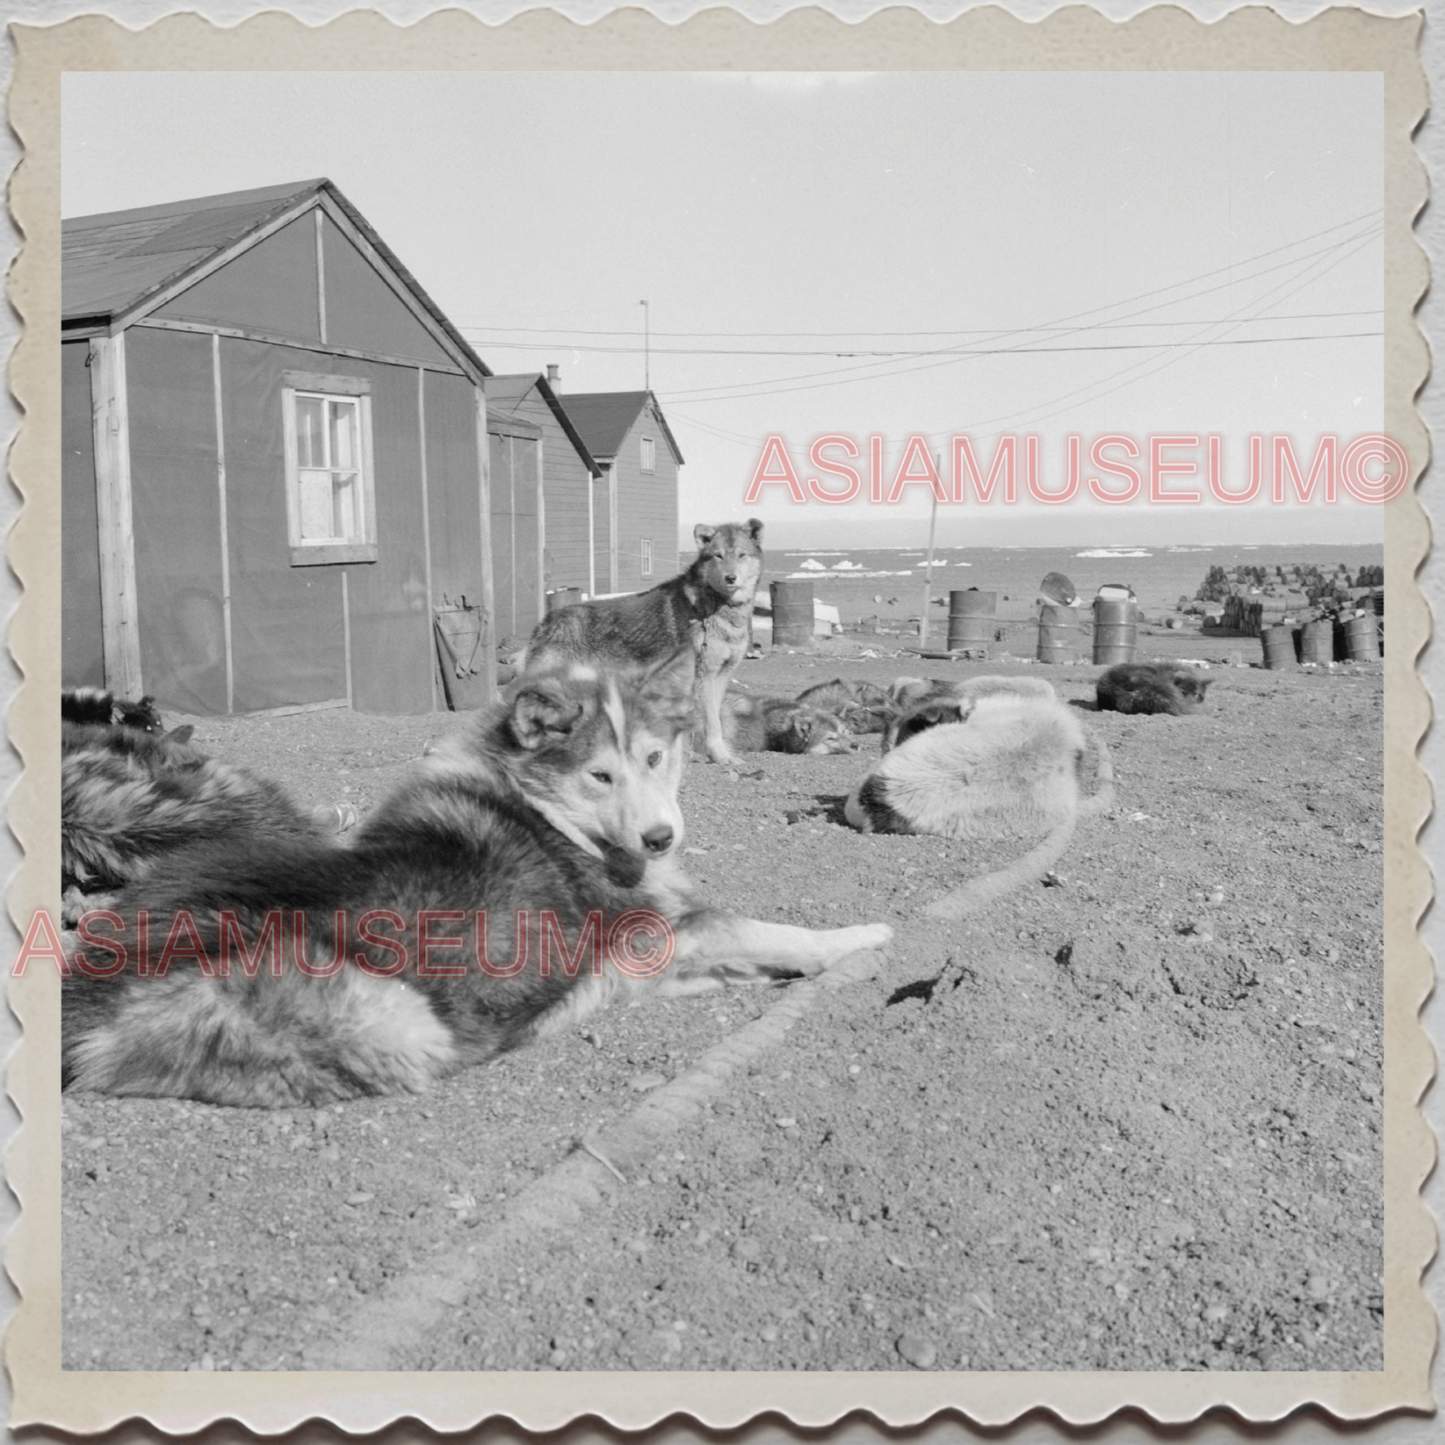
978 893
1102 798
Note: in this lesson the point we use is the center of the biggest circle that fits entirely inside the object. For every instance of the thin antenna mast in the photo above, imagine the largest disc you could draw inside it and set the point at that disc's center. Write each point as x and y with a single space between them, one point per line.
646 346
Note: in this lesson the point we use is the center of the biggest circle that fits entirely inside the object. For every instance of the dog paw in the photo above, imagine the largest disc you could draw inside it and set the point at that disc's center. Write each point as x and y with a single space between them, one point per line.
871 935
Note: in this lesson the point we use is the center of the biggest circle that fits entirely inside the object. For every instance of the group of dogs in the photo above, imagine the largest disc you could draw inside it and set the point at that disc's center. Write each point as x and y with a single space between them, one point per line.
226 947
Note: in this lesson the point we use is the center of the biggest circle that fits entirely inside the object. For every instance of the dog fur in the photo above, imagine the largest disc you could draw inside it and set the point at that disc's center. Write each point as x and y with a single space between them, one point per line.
1151 687
1011 769
99 707
129 798
863 706
782 725
709 607
563 798
923 704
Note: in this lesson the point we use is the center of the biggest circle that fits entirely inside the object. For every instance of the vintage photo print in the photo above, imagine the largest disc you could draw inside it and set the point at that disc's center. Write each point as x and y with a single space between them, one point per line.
731 730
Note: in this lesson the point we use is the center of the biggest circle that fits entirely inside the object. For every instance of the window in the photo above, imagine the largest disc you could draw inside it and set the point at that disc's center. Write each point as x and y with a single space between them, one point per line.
647 556
649 455
330 503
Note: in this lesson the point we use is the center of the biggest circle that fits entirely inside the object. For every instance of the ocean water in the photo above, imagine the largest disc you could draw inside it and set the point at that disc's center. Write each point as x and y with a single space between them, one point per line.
851 580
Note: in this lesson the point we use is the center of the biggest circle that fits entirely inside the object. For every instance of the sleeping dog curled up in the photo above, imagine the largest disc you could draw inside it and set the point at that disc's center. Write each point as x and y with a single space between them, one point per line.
1151 687
1012 768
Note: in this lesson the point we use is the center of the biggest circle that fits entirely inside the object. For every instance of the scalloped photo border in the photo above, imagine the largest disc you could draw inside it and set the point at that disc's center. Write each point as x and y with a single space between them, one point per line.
1073 39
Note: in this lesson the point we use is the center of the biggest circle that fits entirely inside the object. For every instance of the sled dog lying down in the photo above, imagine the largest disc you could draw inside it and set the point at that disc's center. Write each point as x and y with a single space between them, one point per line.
781 725
1151 687
924 704
1012 769
535 856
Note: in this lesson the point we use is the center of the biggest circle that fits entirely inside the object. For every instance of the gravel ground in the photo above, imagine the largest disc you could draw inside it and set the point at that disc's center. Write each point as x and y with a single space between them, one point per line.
1128 1120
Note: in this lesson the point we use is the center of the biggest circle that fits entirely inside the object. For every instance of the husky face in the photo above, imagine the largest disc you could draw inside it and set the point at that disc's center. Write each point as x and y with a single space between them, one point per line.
602 752
730 559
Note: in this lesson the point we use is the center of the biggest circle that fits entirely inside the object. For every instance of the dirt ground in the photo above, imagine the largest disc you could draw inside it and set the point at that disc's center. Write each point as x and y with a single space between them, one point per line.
1130 1119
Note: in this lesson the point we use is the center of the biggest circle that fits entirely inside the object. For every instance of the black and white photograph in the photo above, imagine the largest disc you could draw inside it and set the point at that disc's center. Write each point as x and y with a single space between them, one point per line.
723 721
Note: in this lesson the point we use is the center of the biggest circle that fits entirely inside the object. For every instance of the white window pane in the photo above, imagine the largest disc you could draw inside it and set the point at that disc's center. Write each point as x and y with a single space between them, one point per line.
310 441
316 506
346 504
343 433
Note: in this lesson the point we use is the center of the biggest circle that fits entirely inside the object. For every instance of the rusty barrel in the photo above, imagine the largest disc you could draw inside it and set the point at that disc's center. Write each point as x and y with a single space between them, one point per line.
1362 637
971 620
1058 634
1278 647
1116 629
1318 642
561 597
792 613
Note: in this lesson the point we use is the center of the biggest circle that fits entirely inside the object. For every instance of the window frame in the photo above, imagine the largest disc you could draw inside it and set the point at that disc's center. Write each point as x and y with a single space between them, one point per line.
644 558
647 460
328 387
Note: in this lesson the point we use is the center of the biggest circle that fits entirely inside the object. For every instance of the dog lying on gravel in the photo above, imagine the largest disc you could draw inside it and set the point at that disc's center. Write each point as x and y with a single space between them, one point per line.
1011 768
1151 687
863 707
782 725
921 704
132 794
522 876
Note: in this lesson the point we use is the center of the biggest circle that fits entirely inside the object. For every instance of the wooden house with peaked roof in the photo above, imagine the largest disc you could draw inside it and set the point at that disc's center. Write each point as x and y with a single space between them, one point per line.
275 460
633 521
555 485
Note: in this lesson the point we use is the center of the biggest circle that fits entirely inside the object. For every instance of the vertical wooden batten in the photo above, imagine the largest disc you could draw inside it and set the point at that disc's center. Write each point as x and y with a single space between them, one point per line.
612 526
110 423
489 601
541 531
320 276
591 536
431 671
346 635
225 536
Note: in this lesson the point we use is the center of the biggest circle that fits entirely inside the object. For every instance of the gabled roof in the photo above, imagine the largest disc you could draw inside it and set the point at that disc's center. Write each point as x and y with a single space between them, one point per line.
505 394
118 265
604 418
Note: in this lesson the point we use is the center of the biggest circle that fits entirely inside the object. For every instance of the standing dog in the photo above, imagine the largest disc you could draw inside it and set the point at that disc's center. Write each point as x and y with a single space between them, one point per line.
1151 687
709 608
457 926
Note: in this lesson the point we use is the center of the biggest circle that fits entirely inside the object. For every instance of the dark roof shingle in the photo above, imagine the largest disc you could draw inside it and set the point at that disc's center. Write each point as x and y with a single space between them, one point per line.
604 417
112 263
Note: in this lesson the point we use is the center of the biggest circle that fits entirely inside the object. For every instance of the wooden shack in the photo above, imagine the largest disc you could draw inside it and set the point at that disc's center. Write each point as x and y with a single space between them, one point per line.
275 460
633 520
566 473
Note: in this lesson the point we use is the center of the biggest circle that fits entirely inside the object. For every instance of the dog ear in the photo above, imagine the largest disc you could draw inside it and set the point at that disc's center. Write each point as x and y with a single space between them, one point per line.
181 734
542 711
755 530
702 534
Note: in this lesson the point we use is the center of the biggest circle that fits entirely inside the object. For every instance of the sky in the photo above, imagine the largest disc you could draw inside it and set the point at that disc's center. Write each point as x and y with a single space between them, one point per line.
858 255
